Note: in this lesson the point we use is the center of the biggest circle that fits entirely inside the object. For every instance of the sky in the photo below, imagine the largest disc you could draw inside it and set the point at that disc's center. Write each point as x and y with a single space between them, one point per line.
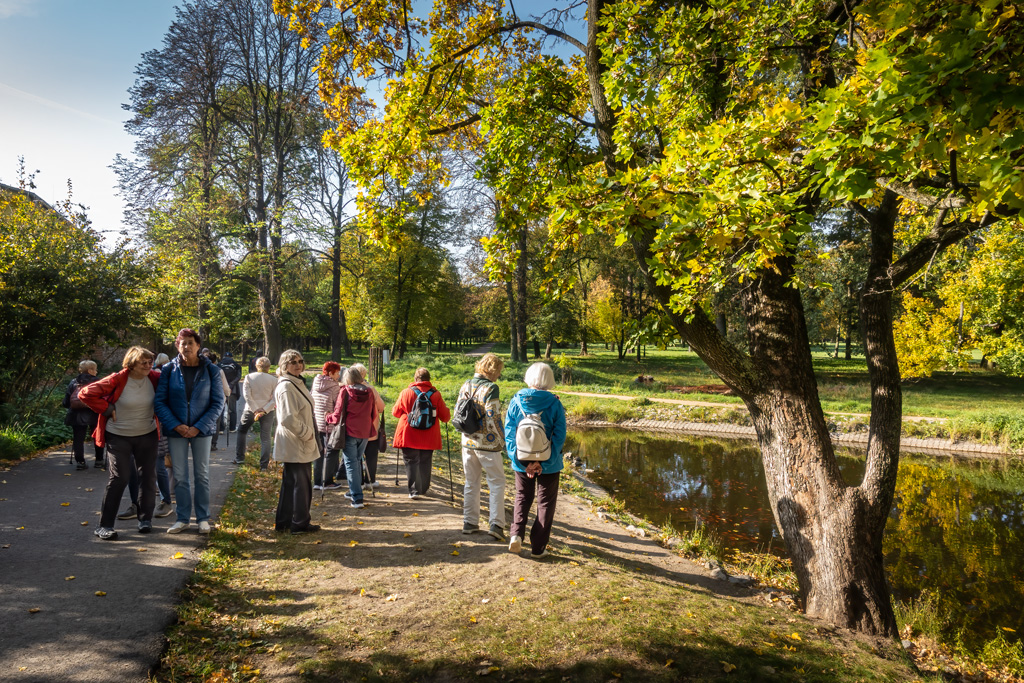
67 67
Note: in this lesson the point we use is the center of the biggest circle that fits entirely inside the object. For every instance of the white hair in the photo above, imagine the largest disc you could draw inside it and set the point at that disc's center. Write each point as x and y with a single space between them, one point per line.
539 376
86 366
362 371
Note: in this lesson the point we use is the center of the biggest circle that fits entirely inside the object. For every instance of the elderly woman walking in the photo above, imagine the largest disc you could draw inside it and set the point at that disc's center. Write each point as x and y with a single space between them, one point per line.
189 400
127 427
79 417
356 408
418 433
258 392
534 436
295 444
326 386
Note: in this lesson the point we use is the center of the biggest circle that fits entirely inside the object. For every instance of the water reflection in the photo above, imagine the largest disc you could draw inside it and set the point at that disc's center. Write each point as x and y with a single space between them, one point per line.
955 531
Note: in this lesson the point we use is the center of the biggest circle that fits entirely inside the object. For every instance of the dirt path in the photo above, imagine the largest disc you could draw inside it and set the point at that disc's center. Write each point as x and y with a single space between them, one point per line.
482 349
53 624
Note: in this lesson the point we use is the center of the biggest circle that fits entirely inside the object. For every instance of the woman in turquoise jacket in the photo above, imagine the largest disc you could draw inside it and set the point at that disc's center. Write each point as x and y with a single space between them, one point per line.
533 478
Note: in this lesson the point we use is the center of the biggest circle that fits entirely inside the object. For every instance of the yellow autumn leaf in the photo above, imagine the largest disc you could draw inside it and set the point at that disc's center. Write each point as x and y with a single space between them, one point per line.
33 610
727 667
362 591
522 578
1008 629
100 594
472 620
64 505
247 555
571 582
177 556
455 552
406 535
69 578
85 523
352 544
415 576
512 600
415 514
391 598
669 663
626 598
795 636
142 550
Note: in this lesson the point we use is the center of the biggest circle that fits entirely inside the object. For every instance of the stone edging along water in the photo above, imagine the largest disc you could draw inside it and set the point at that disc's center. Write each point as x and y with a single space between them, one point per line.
968 449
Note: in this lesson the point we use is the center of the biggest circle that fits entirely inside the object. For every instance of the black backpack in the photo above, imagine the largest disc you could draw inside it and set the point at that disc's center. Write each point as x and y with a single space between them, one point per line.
423 415
232 373
468 417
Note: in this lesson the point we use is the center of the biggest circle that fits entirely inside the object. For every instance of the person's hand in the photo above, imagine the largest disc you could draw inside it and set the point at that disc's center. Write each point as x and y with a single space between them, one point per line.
167 461
182 430
113 416
331 419
258 414
533 469
192 431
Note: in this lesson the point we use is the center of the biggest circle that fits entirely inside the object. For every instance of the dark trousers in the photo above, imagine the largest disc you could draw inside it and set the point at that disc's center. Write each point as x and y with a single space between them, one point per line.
124 454
78 434
232 402
418 465
545 487
295 498
333 458
370 457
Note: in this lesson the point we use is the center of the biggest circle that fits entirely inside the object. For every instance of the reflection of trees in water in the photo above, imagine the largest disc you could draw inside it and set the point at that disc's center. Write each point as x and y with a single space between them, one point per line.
955 530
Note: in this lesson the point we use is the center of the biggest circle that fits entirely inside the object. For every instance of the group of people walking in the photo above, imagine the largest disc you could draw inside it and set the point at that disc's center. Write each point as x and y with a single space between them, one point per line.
144 415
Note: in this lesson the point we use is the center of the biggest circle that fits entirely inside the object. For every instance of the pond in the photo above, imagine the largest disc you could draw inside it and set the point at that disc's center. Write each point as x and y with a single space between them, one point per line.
955 535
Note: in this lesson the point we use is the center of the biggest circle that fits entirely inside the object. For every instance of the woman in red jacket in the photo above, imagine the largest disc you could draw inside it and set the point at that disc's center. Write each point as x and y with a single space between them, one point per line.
418 434
127 427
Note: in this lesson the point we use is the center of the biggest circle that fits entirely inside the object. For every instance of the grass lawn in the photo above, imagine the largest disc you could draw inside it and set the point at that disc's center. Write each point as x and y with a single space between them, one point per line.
977 404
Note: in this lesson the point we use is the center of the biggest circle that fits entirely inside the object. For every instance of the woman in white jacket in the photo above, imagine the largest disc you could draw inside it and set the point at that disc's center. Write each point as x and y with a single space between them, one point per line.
295 445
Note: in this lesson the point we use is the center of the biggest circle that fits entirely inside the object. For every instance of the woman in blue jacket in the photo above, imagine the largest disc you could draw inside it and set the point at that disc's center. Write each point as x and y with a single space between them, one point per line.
189 400
535 478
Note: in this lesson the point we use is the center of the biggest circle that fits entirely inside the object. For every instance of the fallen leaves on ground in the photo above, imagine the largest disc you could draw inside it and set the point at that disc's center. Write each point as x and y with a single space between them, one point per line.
177 556
100 594
33 610
727 667
64 505
69 578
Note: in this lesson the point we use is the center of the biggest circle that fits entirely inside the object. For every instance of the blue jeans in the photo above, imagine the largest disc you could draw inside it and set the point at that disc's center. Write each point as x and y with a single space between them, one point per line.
353 451
200 467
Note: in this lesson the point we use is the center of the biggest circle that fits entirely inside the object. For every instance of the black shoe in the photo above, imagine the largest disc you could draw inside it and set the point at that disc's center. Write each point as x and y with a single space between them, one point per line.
237 462
100 465
308 529
81 466
145 527
280 529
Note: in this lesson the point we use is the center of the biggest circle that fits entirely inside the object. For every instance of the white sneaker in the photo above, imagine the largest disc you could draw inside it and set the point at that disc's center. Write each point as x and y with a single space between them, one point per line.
318 487
177 527
204 527
515 545
375 484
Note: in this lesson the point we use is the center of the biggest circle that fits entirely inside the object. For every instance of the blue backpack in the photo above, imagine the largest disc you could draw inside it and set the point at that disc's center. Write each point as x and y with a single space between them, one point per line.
423 415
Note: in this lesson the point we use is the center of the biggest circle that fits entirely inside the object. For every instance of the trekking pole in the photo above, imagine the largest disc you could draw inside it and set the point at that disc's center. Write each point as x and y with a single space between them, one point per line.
323 471
448 445
366 478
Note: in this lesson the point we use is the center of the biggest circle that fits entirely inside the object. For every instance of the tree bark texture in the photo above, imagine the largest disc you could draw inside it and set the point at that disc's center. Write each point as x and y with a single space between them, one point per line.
521 294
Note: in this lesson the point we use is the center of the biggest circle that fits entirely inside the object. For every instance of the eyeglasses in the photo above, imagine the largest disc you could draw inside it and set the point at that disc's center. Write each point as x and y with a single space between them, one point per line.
299 361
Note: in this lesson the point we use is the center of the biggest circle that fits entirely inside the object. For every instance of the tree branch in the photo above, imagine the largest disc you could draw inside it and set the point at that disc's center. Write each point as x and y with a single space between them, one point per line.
911 193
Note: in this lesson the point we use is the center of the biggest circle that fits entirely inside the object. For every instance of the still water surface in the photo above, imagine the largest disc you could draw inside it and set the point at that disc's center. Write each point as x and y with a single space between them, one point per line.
955 534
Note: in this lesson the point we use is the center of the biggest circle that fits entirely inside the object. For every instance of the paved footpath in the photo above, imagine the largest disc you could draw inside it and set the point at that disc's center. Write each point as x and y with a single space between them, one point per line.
48 511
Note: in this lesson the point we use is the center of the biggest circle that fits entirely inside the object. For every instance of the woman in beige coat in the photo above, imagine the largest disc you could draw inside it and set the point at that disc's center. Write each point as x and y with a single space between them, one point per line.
295 445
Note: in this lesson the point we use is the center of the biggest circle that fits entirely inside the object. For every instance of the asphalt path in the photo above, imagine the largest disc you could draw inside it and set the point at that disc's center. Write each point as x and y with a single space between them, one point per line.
57 628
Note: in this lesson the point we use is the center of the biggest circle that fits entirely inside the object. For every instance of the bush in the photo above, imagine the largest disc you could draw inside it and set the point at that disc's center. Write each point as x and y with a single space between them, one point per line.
15 442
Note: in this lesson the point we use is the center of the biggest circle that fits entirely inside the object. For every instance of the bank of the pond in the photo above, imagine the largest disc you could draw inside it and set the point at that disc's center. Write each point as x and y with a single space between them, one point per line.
951 551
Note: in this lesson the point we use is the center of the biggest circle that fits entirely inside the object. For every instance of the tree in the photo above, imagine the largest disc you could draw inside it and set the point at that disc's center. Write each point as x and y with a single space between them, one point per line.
61 294
720 133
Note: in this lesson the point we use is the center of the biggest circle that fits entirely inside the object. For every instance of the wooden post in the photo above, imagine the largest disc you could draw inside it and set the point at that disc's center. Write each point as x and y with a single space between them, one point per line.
375 365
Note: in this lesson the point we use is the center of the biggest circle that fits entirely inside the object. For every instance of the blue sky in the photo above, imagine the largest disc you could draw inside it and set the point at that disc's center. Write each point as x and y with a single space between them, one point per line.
67 67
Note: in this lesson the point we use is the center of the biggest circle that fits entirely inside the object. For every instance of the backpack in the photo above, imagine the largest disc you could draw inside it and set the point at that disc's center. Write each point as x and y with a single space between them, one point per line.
76 403
423 415
468 417
532 441
231 373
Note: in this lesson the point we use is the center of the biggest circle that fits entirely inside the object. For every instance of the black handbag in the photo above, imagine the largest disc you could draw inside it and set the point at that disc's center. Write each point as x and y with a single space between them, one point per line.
382 437
336 437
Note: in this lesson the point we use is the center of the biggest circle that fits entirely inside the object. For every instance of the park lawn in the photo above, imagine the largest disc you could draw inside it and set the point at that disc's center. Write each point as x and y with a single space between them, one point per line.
977 400
358 602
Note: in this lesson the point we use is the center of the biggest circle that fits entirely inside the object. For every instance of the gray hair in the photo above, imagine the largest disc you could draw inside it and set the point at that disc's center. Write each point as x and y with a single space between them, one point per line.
87 365
539 376
161 359
262 363
288 357
362 370
352 376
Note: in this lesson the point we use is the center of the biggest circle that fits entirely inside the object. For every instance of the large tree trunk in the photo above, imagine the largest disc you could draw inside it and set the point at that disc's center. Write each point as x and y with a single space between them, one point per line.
513 328
521 294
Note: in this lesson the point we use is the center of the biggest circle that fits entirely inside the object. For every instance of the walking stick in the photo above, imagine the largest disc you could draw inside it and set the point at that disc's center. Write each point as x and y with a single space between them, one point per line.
366 477
448 445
